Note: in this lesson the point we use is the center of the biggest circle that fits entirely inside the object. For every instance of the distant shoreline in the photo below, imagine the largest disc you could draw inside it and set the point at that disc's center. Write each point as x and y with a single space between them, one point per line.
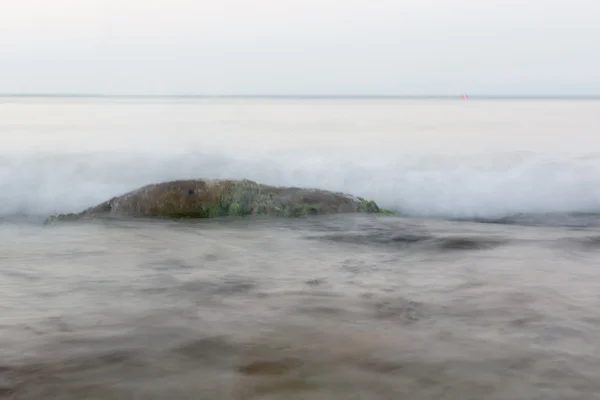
301 97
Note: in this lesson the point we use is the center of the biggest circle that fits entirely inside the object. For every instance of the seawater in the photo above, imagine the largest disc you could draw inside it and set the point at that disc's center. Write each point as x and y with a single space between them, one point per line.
484 286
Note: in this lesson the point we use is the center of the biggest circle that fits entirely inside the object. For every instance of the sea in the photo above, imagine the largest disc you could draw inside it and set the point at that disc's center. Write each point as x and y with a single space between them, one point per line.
484 285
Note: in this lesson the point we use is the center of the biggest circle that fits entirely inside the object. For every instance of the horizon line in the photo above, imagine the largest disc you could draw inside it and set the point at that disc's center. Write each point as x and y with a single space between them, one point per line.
301 96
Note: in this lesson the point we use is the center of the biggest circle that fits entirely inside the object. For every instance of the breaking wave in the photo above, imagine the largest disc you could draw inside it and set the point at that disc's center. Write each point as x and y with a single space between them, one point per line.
501 188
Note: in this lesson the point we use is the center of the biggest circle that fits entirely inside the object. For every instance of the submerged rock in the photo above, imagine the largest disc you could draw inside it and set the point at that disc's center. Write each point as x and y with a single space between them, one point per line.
205 198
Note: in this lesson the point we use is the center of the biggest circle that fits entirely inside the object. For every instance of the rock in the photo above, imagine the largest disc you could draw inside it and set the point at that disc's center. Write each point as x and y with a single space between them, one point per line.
205 198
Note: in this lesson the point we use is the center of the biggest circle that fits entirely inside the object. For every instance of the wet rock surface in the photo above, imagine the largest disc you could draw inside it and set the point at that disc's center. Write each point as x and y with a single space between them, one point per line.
205 198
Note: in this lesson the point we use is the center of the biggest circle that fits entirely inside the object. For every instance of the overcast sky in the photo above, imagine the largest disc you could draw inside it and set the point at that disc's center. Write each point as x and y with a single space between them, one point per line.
302 47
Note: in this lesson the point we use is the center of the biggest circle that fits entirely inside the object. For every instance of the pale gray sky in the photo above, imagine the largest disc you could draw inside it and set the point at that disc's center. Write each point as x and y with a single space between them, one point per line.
300 46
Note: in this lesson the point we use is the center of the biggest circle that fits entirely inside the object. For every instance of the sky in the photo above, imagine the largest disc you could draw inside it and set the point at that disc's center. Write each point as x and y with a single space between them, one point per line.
300 47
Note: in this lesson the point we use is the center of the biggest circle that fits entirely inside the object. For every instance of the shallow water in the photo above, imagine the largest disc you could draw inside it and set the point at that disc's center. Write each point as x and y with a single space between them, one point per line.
360 307
337 307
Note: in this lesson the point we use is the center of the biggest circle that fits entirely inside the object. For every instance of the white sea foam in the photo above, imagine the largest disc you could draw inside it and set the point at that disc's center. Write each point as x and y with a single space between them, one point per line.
427 158
448 187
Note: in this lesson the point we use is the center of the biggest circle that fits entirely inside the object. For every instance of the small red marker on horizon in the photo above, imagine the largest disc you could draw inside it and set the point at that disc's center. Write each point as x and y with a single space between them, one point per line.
464 96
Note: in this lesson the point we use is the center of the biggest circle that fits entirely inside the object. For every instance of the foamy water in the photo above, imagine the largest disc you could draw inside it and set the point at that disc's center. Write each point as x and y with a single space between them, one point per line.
484 159
335 307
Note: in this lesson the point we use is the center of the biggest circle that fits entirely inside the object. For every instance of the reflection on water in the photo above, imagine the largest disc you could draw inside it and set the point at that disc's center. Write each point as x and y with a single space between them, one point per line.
321 308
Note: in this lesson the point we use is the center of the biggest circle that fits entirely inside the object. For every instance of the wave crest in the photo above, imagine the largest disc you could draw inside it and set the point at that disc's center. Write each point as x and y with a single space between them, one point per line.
476 187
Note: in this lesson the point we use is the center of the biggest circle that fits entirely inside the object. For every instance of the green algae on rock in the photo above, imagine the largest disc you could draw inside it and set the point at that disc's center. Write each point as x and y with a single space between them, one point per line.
206 198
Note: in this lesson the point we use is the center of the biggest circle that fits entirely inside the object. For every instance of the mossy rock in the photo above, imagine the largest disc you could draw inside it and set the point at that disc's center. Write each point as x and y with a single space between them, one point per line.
369 206
60 217
205 198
